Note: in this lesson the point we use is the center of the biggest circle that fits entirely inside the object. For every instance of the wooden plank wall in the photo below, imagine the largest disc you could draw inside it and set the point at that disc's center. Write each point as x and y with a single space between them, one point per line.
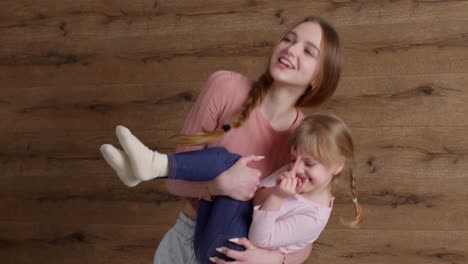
70 71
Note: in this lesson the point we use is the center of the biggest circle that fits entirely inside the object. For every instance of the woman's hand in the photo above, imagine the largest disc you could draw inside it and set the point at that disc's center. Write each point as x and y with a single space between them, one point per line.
238 182
251 254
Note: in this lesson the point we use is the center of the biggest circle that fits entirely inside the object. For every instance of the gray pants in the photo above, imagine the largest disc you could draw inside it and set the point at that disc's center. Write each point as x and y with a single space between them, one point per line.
177 245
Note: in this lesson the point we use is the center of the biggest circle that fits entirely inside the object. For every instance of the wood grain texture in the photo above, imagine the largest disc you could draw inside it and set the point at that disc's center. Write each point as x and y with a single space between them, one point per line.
375 101
38 243
71 71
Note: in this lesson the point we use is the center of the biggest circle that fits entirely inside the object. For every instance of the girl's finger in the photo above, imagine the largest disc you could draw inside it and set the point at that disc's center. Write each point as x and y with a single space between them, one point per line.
294 184
293 170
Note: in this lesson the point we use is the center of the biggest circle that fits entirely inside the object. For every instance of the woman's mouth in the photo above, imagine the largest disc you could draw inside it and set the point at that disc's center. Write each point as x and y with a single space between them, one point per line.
285 63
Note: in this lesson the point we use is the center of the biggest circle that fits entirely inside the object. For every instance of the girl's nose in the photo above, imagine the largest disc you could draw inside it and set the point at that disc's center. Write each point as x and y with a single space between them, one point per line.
300 168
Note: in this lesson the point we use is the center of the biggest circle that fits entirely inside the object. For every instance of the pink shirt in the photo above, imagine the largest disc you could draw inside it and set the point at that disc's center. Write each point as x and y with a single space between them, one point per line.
220 101
297 224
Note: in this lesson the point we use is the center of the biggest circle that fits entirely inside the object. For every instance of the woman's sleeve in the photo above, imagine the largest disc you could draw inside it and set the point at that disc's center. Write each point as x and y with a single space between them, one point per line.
205 114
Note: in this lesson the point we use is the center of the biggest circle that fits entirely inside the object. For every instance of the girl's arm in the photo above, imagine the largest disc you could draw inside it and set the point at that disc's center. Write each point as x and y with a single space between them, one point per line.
270 228
267 184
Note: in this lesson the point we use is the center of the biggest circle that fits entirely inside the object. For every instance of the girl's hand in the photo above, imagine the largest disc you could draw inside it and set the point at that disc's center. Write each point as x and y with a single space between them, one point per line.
251 254
238 182
287 182
286 186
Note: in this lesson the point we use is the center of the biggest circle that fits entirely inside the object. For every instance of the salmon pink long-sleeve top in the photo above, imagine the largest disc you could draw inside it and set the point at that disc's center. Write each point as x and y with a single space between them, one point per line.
219 102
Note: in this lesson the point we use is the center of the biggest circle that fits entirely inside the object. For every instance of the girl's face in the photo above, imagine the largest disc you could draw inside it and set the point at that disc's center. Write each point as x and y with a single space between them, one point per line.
314 176
295 58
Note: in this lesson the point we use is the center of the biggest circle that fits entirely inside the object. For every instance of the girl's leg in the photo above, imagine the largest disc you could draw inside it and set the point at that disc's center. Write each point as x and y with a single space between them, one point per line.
138 163
146 164
219 221
119 161
200 165
222 219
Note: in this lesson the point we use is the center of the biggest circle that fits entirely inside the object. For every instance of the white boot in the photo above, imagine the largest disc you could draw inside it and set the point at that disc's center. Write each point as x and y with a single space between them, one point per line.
119 161
146 164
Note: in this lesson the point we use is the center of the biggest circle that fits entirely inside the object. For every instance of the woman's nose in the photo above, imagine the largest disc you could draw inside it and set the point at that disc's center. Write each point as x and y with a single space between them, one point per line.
293 49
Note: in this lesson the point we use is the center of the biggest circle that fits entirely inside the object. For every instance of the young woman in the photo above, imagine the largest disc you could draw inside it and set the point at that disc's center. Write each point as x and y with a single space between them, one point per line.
249 118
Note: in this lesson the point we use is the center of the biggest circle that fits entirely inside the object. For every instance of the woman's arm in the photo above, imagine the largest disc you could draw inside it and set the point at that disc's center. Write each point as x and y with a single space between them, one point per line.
240 181
254 255
204 114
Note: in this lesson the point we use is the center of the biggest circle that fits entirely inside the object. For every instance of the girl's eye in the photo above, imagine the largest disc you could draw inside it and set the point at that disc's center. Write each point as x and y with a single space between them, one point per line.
286 39
310 164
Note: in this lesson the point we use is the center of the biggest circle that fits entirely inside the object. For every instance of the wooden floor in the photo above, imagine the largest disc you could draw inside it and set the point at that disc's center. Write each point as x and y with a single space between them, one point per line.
71 71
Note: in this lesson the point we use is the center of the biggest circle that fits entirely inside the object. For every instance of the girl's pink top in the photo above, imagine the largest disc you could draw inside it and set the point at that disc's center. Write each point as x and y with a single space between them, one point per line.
296 225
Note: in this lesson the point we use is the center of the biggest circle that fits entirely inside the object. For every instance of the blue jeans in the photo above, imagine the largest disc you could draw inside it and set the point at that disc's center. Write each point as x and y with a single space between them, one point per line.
217 220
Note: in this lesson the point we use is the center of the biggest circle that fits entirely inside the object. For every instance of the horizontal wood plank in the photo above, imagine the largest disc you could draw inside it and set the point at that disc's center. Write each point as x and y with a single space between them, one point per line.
401 101
393 152
78 243
400 49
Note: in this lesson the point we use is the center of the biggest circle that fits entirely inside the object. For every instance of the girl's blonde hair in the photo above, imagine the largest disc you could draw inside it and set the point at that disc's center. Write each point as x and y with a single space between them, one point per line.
328 139
322 88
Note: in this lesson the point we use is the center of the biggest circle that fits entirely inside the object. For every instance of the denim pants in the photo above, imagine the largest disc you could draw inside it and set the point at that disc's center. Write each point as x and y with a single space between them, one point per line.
217 220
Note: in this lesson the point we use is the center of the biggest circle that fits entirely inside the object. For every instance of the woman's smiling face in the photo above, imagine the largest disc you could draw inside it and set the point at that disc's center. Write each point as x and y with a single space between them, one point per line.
295 58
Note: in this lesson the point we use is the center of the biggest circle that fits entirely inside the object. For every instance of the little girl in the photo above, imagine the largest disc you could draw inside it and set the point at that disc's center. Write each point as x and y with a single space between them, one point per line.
292 207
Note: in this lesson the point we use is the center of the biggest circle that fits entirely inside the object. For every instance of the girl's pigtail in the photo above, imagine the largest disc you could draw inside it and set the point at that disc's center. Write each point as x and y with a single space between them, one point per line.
357 207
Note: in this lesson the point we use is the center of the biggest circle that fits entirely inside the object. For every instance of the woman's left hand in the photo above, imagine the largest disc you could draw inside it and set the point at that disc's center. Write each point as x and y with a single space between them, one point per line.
251 254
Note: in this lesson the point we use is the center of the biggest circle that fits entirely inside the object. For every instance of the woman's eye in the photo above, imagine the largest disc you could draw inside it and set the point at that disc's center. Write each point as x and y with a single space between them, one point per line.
286 39
310 164
310 53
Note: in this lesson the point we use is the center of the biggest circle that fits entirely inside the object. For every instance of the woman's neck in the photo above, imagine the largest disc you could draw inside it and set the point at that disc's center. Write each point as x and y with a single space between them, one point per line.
279 105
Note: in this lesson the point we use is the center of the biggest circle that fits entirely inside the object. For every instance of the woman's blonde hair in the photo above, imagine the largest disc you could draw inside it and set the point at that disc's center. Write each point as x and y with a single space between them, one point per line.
328 139
322 88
